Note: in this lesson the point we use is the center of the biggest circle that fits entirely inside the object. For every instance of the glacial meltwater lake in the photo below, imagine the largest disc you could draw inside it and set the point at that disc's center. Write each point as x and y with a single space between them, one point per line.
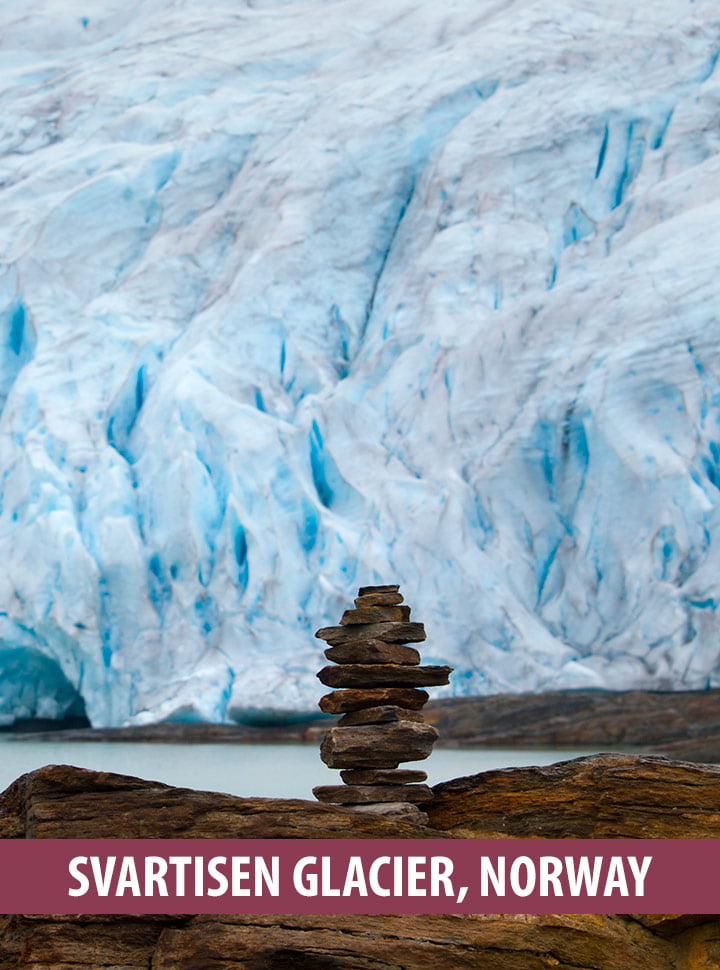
268 770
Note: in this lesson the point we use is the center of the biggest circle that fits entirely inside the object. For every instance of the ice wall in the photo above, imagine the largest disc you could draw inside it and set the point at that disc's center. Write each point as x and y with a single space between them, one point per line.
298 296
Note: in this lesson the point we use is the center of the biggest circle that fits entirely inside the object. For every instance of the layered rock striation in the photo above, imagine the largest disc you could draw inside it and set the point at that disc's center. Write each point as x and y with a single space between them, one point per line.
380 696
613 797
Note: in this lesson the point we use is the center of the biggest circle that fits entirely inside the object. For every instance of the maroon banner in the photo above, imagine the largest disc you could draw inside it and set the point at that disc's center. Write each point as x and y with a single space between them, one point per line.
73 876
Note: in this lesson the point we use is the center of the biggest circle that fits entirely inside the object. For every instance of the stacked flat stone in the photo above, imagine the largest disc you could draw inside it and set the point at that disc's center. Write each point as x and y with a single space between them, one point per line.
380 697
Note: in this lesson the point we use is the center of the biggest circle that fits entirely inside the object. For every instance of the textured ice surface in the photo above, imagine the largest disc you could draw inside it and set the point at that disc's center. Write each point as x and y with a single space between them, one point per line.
298 296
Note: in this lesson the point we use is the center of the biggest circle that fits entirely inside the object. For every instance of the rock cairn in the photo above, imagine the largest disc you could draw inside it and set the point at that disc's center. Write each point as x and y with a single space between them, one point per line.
380 698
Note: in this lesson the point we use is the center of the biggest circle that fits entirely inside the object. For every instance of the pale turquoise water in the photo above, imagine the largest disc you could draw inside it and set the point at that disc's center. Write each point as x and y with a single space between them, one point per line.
270 770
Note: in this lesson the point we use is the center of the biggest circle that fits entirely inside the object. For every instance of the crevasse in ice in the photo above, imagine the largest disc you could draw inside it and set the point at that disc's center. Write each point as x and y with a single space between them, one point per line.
298 296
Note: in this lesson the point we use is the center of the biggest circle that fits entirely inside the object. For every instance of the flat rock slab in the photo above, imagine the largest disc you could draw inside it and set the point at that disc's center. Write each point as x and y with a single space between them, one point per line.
372 590
382 776
399 810
372 652
376 614
372 794
342 701
378 599
379 715
377 746
384 675
390 632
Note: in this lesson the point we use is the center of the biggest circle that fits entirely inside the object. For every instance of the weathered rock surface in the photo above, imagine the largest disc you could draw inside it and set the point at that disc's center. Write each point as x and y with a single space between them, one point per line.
82 942
379 590
384 675
395 942
600 797
369 794
372 652
378 599
382 776
390 632
382 746
379 715
605 796
343 701
247 942
376 614
399 810
63 802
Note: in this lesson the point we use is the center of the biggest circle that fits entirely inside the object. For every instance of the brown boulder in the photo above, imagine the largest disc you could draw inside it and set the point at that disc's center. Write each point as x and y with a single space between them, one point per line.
343 701
599 797
62 802
373 590
377 746
383 675
390 632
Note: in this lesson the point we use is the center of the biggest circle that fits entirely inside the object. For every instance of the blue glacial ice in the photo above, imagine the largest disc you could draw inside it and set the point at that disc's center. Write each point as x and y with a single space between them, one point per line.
300 295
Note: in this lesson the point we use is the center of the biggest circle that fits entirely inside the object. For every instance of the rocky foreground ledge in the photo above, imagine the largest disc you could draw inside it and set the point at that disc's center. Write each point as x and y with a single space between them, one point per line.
606 796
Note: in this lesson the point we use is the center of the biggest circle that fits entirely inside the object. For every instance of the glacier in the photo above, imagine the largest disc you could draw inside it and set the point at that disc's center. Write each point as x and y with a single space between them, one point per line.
302 295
